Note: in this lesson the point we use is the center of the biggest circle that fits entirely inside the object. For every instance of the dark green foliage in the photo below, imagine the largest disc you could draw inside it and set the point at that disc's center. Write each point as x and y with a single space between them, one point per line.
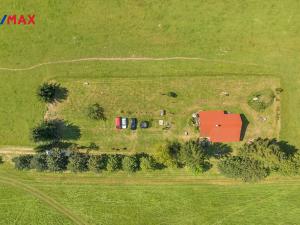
267 151
46 131
98 162
55 131
96 112
247 169
22 162
147 163
39 162
56 144
51 92
261 100
278 90
114 163
168 154
57 160
78 162
1 159
172 94
193 155
130 164
93 146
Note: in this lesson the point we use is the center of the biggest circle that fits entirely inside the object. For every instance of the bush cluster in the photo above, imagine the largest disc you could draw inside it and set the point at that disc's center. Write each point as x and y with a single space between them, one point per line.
57 160
192 154
256 160
261 100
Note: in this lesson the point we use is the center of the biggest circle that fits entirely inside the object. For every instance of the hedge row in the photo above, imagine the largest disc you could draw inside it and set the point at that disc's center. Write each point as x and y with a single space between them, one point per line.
57 160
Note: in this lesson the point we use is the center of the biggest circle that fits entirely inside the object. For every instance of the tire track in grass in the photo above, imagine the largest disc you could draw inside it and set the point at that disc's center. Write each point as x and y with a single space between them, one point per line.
44 198
93 59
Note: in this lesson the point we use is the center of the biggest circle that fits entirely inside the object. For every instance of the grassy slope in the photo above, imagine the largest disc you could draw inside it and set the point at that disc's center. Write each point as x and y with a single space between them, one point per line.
104 199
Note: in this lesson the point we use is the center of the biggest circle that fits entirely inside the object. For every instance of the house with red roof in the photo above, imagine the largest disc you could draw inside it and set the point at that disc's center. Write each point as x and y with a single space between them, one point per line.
219 126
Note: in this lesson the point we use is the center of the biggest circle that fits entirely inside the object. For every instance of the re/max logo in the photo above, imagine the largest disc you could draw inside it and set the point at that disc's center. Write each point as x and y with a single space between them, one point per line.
18 20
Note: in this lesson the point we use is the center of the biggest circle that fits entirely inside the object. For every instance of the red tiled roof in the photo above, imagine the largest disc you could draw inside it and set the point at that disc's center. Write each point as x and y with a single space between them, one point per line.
219 126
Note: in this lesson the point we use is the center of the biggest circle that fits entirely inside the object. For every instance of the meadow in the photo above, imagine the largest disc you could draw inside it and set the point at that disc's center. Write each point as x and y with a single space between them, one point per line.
172 197
231 39
235 42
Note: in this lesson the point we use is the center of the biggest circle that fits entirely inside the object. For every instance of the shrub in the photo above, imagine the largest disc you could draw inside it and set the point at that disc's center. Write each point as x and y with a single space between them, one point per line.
96 112
57 160
147 163
278 90
39 162
93 146
193 156
98 162
261 100
168 154
47 92
78 162
245 168
50 92
1 159
172 94
130 164
114 163
267 151
22 162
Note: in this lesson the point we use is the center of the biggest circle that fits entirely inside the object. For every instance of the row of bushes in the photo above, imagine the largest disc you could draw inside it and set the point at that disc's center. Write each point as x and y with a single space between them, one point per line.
193 154
256 160
252 162
57 160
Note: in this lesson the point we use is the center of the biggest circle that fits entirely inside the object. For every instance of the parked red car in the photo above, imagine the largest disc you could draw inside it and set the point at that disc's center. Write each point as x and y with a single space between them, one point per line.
118 122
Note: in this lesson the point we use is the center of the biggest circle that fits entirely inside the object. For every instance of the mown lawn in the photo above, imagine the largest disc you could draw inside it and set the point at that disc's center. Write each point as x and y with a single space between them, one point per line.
178 198
144 97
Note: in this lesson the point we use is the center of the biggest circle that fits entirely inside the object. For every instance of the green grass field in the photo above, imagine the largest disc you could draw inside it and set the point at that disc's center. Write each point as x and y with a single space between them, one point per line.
174 197
253 43
143 98
233 39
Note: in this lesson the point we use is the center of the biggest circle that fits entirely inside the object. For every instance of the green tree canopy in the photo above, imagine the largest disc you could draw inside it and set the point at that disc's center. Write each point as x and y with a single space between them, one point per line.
267 151
147 163
168 154
39 162
96 112
46 131
130 164
22 162
57 160
193 155
51 92
245 168
98 163
114 163
78 162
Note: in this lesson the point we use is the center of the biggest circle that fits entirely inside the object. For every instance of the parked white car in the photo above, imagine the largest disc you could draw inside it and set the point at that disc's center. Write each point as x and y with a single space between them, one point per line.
124 122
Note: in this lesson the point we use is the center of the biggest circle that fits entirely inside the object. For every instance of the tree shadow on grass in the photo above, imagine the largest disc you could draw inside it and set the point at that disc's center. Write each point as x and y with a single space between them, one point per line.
61 93
288 149
245 124
218 150
66 130
69 131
